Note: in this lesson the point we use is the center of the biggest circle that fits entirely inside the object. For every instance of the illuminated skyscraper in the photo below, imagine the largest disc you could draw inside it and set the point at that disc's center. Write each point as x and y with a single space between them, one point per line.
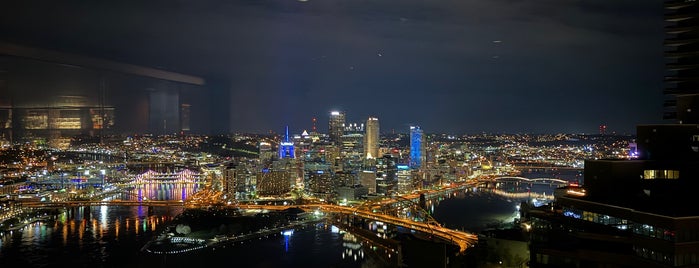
371 143
336 126
286 147
417 147
681 53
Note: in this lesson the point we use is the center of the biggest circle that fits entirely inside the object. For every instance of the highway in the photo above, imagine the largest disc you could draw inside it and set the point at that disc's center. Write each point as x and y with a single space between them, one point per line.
462 239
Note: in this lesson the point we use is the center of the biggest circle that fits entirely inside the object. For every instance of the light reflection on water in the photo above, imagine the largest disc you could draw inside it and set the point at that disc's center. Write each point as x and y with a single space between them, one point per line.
160 191
113 236
83 235
476 209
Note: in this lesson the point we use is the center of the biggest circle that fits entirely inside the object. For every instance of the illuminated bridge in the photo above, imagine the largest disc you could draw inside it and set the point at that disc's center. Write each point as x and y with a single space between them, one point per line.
76 203
546 181
463 240
183 177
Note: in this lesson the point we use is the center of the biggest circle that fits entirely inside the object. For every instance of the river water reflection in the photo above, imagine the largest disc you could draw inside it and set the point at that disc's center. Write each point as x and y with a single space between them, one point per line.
112 236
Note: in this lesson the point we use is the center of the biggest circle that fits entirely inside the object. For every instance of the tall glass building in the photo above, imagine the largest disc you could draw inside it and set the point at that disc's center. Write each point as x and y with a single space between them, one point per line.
417 147
371 143
336 126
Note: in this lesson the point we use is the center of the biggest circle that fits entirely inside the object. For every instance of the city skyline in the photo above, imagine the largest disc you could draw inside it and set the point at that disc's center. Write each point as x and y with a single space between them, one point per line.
490 66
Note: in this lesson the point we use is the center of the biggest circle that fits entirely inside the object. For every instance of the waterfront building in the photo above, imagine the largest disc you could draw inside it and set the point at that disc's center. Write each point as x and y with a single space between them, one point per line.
417 147
371 138
336 126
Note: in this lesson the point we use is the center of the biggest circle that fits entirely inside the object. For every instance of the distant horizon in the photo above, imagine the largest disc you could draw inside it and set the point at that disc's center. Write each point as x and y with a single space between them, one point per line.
381 133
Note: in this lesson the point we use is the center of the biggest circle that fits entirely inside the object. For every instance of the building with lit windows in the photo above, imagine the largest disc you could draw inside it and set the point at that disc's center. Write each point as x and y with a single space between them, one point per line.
265 151
273 182
371 138
417 147
320 184
404 180
336 126
386 169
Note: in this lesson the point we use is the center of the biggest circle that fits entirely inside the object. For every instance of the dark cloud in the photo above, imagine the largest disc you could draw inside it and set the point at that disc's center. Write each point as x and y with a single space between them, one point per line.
560 65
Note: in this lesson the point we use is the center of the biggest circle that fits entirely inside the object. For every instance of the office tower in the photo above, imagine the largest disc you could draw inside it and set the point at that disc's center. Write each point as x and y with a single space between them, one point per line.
238 181
417 147
404 180
386 169
286 147
371 143
320 183
681 53
336 126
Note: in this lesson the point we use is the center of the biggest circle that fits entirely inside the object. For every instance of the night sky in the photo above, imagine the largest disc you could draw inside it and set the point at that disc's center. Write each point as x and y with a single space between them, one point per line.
461 66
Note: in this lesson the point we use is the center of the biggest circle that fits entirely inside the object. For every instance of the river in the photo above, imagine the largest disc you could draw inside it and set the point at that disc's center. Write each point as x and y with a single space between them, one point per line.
112 236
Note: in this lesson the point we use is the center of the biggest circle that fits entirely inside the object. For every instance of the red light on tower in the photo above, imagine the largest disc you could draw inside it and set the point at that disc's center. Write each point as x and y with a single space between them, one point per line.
314 124
602 129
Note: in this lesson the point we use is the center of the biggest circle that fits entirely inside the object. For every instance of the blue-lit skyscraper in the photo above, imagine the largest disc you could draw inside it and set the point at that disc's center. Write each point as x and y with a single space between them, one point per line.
286 147
417 147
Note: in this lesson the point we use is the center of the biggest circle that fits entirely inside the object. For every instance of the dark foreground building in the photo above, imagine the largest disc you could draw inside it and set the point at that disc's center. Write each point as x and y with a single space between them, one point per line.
629 213
642 212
